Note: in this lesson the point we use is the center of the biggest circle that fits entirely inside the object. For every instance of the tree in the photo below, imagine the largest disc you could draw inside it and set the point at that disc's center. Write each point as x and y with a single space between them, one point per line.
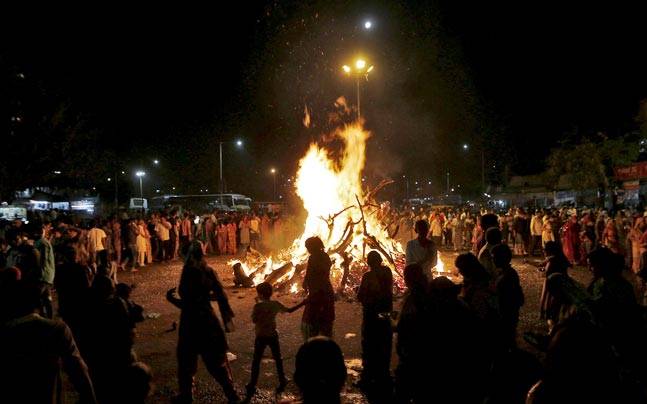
589 164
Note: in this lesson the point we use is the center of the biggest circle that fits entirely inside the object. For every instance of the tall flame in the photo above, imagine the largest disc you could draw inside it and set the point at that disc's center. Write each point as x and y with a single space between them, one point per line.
339 212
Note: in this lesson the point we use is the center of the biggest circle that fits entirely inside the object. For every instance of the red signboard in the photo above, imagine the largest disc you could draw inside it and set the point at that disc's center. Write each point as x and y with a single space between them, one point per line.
633 172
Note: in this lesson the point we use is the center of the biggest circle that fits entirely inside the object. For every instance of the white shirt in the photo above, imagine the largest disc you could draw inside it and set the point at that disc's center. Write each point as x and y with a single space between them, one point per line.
95 239
426 257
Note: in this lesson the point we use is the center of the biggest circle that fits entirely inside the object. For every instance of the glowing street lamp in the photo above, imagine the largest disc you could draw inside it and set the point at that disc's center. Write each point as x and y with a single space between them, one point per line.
140 175
368 24
360 69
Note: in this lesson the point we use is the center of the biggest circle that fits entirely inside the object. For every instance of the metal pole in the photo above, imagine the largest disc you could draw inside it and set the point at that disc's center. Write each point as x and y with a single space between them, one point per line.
221 190
141 189
359 113
274 175
483 168
447 181
116 192
407 189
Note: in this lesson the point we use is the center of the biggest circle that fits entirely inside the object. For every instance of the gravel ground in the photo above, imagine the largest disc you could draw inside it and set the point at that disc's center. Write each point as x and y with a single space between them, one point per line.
155 343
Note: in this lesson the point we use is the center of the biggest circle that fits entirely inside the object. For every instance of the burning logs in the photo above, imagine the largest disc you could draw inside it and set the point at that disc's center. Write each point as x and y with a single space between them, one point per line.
278 273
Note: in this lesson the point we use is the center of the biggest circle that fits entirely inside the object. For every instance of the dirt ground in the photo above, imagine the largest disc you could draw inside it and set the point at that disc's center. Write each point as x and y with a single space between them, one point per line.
156 339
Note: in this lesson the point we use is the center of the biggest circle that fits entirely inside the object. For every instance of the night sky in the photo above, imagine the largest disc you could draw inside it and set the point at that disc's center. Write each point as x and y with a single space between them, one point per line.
169 83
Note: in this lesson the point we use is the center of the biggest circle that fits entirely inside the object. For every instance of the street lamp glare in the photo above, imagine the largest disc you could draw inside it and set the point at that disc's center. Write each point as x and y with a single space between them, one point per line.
346 68
360 64
465 146
273 170
156 161
239 143
368 25
140 173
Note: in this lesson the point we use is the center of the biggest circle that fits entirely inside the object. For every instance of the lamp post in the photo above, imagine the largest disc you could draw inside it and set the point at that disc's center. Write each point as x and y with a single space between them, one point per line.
273 172
361 70
140 175
239 143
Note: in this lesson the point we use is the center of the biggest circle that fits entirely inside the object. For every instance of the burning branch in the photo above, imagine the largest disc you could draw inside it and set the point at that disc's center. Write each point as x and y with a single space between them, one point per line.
330 221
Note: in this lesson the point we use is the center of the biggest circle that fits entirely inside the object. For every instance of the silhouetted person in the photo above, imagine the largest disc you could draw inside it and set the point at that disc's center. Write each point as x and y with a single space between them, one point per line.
457 366
320 371
32 349
109 339
478 293
422 250
376 296
200 332
264 318
414 339
72 283
493 239
617 310
319 313
137 384
486 222
509 293
556 262
580 368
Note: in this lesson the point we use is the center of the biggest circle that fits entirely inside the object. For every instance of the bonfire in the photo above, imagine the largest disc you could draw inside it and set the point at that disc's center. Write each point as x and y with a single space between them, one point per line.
341 212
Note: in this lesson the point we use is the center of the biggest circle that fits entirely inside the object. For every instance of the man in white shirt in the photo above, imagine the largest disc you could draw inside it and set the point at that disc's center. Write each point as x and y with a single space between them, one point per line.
254 231
97 244
421 250
536 229
162 228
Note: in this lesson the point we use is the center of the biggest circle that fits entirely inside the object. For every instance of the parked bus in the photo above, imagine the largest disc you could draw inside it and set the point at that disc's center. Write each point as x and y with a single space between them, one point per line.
202 203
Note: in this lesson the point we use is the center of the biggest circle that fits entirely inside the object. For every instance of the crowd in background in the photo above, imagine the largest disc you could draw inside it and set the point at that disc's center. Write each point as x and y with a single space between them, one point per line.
455 342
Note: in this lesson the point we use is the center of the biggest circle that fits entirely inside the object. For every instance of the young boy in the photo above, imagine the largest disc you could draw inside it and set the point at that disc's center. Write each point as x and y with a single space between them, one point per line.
264 318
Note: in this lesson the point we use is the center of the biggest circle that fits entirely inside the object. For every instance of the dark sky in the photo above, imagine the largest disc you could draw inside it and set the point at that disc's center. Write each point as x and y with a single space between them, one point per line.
169 83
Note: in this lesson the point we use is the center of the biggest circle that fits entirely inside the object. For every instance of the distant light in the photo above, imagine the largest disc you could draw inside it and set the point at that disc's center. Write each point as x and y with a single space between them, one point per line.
173 188
360 64
94 188
452 189
239 143
140 173
123 172
429 183
273 170
368 25
206 190
109 179
156 162
57 172
465 146
157 190
346 68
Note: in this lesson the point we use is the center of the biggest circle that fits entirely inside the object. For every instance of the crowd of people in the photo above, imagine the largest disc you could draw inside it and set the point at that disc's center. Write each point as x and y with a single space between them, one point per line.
455 342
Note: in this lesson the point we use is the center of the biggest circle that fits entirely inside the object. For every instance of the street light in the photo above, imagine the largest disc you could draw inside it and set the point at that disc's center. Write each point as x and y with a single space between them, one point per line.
156 161
273 172
239 144
140 175
361 69
368 24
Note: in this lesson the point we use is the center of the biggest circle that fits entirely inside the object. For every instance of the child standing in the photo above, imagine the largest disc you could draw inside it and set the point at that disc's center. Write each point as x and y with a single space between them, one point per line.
264 318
